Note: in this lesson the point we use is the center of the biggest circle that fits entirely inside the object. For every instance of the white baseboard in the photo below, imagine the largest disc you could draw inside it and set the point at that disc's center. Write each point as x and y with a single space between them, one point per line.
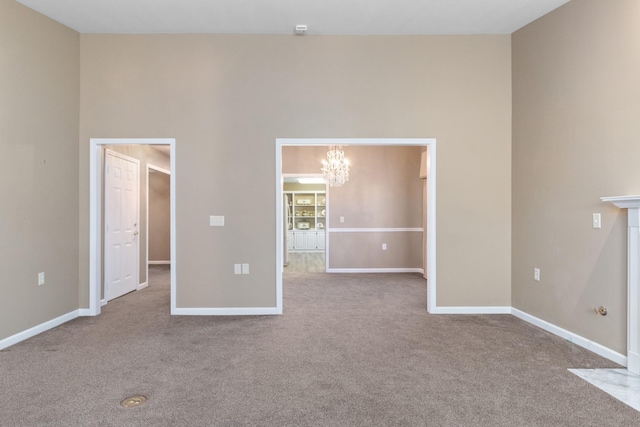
375 270
103 302
83 312
142 286
31 332
472 310
570 336
159 262
247 311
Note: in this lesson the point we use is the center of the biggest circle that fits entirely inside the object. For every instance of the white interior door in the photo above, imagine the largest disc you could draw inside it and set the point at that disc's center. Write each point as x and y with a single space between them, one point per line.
121 206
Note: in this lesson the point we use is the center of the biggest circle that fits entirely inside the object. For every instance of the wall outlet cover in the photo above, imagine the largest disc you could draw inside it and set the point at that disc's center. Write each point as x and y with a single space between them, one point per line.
216 221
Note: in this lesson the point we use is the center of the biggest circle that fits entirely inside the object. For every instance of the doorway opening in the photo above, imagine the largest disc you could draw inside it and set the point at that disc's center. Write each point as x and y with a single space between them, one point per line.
429 194
96 239
305 208
158 215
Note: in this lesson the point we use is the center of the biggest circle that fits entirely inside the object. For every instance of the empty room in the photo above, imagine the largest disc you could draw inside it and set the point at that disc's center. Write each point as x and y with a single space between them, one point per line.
470 255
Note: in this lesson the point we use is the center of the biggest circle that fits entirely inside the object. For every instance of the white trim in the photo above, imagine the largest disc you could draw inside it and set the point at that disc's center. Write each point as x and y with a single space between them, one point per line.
227 311
43 327
472 310
323 142
142 286
375 270
158 262
158 168
624 202
431 229
374 230
280 239
570 336
430 143
103 302
632 203
95 221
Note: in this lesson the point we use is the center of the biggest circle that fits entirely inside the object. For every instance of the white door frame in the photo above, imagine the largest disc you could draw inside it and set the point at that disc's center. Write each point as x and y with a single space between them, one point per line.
430 143
95 213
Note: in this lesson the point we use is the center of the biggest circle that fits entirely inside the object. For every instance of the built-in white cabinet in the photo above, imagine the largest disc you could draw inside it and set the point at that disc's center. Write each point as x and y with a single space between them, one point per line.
310 240
290 240
299 241
306 241
306 220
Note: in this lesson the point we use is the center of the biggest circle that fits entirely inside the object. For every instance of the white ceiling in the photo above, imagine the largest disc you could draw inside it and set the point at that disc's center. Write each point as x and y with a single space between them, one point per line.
281 16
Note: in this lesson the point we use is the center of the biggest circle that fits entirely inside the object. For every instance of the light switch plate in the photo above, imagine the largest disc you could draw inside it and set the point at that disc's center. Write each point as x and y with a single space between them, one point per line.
216 221
245 268
597 220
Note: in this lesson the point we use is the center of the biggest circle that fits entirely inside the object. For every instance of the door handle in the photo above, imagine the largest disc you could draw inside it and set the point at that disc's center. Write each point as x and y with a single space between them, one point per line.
135 233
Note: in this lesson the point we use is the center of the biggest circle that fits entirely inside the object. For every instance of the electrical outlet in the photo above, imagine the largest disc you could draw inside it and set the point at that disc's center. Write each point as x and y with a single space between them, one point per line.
40 279
384 246
536 274
237 269
341 219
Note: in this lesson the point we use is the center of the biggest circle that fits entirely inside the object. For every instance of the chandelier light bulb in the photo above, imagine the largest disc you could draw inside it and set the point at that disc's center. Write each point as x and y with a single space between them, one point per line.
335 168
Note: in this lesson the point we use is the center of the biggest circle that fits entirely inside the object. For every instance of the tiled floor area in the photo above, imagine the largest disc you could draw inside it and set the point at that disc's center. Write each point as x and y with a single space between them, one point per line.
619 383
305 262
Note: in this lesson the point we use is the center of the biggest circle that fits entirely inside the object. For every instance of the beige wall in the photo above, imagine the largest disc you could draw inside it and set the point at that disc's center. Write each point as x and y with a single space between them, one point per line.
159 217
226 98
364 250
384 191
576 122
39 109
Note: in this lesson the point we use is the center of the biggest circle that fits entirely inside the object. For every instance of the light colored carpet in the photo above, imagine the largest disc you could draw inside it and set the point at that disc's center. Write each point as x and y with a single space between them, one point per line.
349 350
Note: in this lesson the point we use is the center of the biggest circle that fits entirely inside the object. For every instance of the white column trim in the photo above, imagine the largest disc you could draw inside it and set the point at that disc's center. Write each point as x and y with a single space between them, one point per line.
632 203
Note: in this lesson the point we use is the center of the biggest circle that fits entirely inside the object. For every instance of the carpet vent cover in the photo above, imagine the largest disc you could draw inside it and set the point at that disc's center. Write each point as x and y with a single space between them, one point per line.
133 401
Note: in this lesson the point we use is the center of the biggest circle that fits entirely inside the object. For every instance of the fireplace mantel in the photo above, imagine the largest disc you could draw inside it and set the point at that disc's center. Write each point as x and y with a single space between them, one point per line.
626 202
633 278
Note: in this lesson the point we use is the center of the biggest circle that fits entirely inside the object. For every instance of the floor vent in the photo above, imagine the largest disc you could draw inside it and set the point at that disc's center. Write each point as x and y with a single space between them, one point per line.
133 401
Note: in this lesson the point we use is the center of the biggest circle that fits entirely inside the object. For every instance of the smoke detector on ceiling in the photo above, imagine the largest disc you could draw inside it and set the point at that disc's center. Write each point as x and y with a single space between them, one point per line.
301 29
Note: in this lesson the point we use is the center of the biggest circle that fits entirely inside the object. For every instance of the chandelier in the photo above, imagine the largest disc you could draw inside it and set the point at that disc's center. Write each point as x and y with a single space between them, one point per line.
335 168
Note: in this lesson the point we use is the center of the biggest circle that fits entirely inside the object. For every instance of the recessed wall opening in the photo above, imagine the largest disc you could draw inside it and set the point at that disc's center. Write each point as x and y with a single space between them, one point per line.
305 219
426 219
